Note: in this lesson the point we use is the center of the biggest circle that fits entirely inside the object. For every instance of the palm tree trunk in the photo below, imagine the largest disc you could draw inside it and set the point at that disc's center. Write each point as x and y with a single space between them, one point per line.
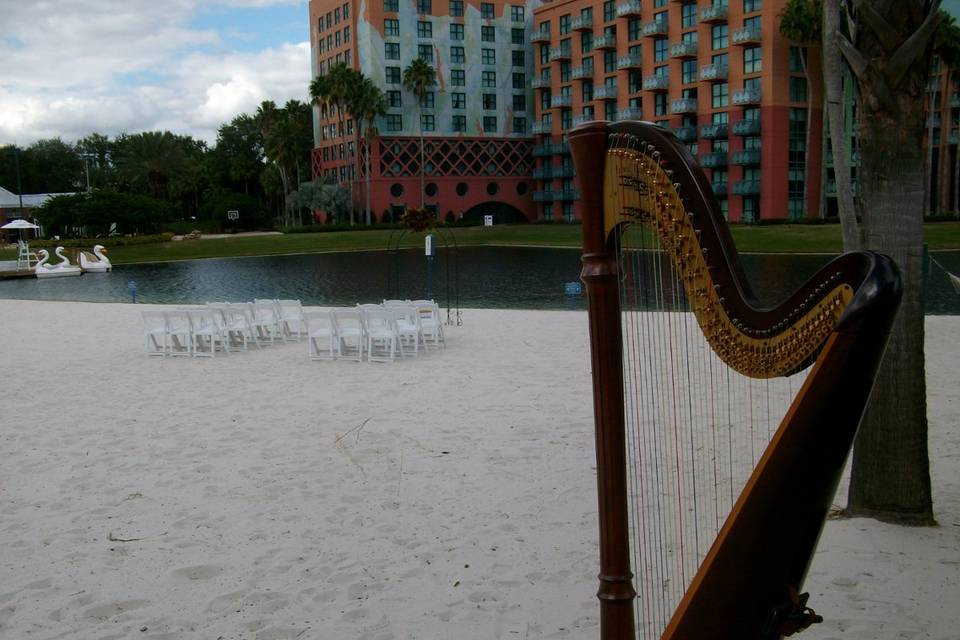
956 177
367 175
423 193
928 165
806 154
833 75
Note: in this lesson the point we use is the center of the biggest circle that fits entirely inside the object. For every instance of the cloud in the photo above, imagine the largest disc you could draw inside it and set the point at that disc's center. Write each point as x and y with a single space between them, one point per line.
70 69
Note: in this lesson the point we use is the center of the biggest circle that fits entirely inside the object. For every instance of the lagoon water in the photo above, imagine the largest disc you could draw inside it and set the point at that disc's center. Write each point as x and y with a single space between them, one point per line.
512 277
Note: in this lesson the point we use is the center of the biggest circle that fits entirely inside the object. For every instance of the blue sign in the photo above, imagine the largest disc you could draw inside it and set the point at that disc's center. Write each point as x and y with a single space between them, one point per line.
573 288
132 288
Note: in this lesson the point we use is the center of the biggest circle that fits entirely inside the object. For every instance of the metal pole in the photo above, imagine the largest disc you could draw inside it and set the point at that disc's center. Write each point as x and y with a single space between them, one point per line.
16 162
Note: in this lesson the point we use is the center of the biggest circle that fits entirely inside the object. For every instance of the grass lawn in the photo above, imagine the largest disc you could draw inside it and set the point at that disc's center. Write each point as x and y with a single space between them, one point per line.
766 239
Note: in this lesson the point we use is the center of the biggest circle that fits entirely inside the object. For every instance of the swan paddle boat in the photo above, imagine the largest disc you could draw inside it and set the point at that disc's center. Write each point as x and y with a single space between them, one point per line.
62 269
96 262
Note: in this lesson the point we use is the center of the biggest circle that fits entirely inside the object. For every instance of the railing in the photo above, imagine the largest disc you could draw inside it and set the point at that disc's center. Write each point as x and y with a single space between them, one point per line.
714 72
746 35
540 150
683 50
581 72
561 101
713 160
746 157
605 92
605 41
747 127
685 134
539 36
629 8
655 28
581 23
540 83
683 105
560 53
656 83
560 148
540 128
714 131
745 97
563 171
746 188
630 113
568 194
714 14
630 61
583 119
543 196
719 189
955 101
543 173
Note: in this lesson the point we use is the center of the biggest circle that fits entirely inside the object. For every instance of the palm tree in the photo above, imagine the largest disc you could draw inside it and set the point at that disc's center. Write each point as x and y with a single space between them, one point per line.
335 89
371 104
888 54
417 77
150 160
800 22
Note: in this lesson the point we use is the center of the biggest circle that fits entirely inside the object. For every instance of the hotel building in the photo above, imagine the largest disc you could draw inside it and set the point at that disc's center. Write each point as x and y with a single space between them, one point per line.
475 121
719 75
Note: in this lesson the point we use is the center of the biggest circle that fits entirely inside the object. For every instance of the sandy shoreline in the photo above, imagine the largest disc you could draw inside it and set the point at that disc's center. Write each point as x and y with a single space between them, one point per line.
452 496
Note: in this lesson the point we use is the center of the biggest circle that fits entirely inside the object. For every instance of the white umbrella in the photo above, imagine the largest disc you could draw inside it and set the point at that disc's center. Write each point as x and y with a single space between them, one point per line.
24 252
19 224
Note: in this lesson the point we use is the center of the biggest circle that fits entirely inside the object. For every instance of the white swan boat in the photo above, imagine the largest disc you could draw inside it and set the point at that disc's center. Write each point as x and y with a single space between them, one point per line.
97 262
62 269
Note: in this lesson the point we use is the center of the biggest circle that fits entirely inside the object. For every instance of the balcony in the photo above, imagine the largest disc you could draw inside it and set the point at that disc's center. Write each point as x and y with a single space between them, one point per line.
719 189
543 196
583 119
541 128
605 41
628 9
712 160
656 83
539 36
582 23
630 113
541 150
745 97
685 134
746 35
563 171
714 72
543 173
954 137
561 101
683 105
747 127
567 195
713 14
581 72
746 188
746 157
560 53
540 83
955 101
631 61
683 50
715 131
655 28
605 92
560 148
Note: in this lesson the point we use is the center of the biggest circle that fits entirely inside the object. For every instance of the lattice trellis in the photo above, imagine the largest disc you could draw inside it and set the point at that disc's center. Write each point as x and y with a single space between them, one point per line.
400 157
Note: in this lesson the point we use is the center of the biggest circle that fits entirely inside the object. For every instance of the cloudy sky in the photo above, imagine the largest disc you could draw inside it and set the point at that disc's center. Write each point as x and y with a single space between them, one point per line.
73 67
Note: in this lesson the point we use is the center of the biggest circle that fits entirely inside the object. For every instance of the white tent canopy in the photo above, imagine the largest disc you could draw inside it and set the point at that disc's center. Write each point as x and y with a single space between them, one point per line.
19 224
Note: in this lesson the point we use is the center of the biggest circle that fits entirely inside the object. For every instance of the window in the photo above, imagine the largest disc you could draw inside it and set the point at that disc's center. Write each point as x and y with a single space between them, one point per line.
391 27
460 123
391 5
393 99
688 71
456 8
564 71
393 75
753 23
320 44
336 16
586 14
458 77
517 58
488 34
329 19
545 99
488 56
688 16
752 60
456 55
798 89
394 122
796 59
586 42
424 29
519 80
486 10
519 125
428 101
634 29
346 10
660 104
427 122
544 54
609 61
660 48
565 24
320 23
489 101
720 93
634 82
519 102
346 34
586 90
329 42
424 6
337 38
456 31
718 35
749 6
609 11
610 110
796 162
516 36
459 100
566 119
516 13
391 50
490 124
425 52
489 79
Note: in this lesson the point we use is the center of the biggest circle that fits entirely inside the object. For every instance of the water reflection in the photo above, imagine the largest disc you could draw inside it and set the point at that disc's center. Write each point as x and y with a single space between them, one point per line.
518 277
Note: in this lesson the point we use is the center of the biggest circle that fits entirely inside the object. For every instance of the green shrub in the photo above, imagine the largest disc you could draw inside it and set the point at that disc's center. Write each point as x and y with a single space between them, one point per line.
112 241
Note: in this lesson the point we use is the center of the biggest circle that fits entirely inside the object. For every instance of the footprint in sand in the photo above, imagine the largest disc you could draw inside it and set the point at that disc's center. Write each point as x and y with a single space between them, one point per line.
107 611
198 572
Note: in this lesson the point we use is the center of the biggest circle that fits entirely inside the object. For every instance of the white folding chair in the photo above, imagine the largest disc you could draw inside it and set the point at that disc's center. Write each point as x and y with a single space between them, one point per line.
321 332
394 303
407 320
349 329
236 326
431 323
155 333
207 332
291 318
179 334
264 321
383 341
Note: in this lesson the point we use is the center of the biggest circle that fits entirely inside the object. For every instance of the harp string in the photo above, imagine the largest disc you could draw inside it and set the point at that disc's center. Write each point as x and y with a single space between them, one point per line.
695 427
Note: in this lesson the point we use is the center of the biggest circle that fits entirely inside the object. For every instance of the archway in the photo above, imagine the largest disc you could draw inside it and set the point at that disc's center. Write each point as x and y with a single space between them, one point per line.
502 213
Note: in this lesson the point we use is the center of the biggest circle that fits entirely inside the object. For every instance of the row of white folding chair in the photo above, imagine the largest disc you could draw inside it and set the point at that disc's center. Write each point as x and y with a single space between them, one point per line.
249 322
373 331
405 323
431 323
289 315
184 332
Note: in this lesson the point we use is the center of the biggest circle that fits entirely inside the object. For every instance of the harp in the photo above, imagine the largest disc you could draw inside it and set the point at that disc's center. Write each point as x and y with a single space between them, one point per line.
719 520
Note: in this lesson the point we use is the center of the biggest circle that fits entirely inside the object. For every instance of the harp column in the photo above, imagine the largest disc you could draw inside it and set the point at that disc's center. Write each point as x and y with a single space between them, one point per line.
616 593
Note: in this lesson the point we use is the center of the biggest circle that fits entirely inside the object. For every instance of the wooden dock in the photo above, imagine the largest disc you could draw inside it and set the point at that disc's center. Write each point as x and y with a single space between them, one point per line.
23 273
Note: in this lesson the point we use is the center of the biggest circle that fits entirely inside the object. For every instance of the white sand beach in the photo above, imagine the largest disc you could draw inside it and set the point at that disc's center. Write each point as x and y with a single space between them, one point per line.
266 496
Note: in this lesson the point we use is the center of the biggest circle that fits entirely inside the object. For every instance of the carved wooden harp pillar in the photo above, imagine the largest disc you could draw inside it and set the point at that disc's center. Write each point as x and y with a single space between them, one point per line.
719 568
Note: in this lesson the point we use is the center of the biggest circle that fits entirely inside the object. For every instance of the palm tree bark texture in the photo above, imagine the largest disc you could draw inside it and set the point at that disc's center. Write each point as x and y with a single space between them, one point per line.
889 51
